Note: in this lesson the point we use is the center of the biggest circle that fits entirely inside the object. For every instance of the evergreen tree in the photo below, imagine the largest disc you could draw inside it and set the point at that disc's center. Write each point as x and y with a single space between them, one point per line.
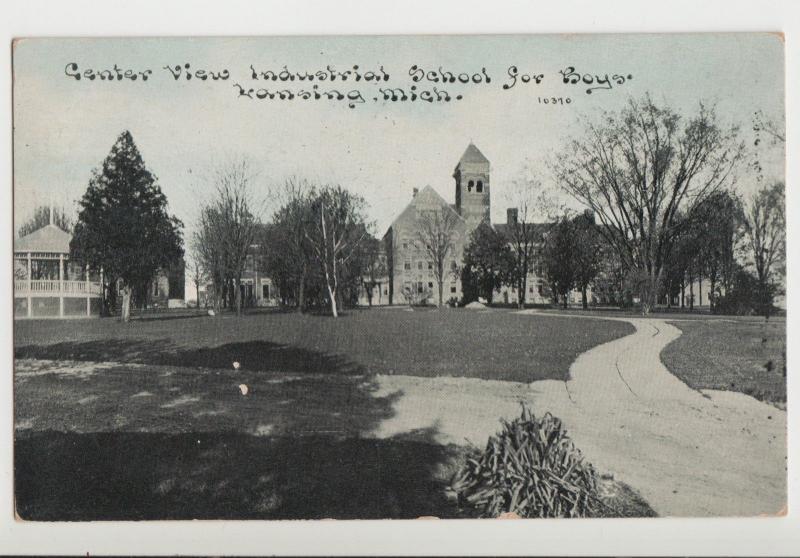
123 226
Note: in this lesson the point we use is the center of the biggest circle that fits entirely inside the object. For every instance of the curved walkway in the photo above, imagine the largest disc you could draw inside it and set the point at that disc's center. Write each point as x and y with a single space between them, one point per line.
688 453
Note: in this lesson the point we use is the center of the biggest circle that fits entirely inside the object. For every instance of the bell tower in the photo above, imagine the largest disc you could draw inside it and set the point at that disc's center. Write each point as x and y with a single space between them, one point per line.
473 200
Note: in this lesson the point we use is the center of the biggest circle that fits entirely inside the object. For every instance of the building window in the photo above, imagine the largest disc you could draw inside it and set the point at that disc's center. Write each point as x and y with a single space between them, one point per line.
530 289
419 287
453 288
430 285
470 184
453 266
265 291
430 265
541 290
405 245
407 266
479 187
419 265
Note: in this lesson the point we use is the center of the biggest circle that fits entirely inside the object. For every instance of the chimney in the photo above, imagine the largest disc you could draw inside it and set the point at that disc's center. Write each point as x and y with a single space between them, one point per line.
416 191
512 214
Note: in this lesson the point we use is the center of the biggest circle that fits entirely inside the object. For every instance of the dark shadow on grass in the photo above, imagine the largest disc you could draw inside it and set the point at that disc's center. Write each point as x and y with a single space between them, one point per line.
166 317
228 475
263 356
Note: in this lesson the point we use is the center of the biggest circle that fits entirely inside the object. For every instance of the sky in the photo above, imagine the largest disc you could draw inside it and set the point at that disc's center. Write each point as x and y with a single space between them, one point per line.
64 128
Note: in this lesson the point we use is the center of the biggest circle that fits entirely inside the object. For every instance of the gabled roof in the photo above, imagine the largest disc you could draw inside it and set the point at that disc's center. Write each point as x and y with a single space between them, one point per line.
425 199
472 155
504 230
47 239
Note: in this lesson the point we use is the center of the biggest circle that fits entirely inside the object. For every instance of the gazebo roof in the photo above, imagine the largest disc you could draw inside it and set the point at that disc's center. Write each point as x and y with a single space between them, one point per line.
47 239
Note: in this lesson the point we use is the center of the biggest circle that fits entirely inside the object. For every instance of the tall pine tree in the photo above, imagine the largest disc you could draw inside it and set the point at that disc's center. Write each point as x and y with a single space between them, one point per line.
123 225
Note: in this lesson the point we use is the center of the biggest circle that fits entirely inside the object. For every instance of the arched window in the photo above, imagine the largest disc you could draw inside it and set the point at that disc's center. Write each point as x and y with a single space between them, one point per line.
470 184
480 186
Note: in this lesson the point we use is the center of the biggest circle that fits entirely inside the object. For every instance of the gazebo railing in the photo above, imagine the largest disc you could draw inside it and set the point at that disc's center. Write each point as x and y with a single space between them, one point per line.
56 287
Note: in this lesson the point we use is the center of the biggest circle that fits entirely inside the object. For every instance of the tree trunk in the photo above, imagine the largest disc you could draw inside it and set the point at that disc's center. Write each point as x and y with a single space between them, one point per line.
301 294
521 292
339 299
238 296
712 295
584 299
700 290
691 293
441 290
219 300
683 294
126 304
669 295
332 297
565 296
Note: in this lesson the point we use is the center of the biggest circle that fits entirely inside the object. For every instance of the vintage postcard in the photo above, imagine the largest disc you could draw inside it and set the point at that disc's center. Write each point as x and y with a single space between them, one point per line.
392 277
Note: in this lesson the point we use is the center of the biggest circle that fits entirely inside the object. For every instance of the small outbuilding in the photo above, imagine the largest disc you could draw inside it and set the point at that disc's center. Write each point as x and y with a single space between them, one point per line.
47 284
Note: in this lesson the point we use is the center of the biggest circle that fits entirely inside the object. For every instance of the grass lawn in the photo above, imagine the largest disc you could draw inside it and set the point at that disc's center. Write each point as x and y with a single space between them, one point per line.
99 441
494 344
146 420
744 355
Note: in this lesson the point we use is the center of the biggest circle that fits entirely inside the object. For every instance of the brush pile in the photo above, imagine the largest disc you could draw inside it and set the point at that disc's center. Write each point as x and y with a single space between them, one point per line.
530 468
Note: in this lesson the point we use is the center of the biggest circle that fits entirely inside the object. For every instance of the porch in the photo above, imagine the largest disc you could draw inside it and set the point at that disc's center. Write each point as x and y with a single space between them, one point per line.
47 284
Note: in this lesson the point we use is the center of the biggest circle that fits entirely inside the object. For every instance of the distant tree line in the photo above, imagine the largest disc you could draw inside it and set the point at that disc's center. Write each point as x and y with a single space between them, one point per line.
662 214
318 247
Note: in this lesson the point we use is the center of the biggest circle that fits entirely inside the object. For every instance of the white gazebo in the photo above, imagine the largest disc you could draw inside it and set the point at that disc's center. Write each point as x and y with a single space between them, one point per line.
47 284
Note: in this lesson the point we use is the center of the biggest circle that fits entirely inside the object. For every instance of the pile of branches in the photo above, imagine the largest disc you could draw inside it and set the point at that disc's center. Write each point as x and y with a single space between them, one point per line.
530 468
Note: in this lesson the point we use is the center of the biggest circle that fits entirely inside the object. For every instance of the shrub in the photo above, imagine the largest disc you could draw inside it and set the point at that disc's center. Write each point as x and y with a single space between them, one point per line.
531 468
746 297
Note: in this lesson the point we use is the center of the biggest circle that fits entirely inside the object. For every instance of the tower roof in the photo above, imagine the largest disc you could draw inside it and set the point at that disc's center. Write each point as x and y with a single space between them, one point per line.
472 155
47 239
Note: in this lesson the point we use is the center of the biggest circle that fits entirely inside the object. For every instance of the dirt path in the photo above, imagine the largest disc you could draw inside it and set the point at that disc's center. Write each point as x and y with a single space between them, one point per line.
688 453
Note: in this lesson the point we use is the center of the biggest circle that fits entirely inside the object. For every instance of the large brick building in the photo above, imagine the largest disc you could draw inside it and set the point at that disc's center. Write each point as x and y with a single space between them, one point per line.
411 277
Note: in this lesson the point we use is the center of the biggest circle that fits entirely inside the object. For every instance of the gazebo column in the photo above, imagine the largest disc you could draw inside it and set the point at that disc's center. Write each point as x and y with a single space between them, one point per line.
30 299
88 298
61 285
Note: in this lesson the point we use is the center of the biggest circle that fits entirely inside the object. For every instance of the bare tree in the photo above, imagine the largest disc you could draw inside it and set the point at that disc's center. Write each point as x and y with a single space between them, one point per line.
774 131
227 230
435 230
765 233
196 274
637 168
210 249
373 263
529 201
287 249
338 228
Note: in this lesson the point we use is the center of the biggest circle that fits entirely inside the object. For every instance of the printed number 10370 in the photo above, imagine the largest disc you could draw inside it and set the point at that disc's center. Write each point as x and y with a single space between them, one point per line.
554 100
